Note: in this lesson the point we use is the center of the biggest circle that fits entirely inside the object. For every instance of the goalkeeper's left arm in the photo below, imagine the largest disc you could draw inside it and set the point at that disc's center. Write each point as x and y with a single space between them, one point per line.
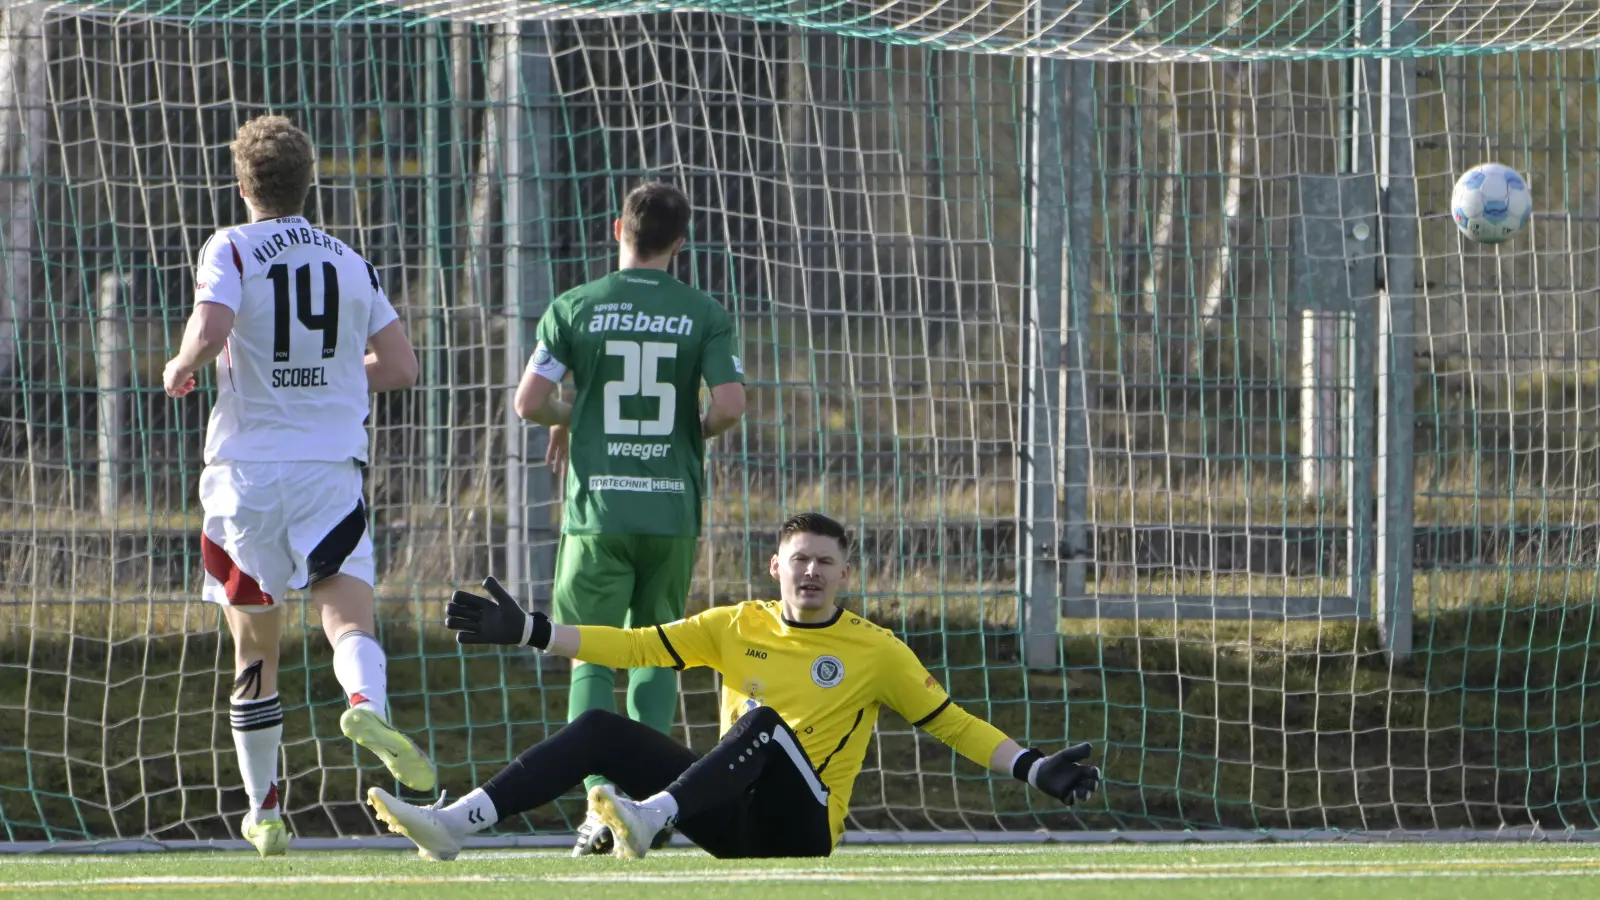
1063 775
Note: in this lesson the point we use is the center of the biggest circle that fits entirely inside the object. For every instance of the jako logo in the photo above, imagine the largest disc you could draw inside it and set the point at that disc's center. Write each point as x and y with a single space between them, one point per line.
758 654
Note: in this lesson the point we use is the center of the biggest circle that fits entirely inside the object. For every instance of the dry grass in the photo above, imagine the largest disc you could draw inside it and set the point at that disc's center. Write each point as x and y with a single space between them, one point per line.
883 502
915 600
1438 591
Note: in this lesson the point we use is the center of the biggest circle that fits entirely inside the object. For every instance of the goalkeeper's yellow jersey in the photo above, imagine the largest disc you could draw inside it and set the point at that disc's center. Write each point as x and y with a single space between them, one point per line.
827 681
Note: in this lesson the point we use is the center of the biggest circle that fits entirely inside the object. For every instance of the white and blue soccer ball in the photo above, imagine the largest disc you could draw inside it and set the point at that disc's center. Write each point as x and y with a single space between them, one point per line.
1491 203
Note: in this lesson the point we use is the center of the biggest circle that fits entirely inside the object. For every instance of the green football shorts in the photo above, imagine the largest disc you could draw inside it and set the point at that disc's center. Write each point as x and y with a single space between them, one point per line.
622 580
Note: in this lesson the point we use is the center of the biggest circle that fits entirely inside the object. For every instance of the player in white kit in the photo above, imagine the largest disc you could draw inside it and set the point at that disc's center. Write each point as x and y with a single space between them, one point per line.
290 313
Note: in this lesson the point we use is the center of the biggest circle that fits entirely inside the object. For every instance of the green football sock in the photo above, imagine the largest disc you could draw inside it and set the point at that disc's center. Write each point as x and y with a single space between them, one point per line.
593 687
653 697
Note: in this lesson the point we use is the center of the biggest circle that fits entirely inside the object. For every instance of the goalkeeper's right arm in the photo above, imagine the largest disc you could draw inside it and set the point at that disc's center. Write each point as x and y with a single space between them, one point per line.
499 619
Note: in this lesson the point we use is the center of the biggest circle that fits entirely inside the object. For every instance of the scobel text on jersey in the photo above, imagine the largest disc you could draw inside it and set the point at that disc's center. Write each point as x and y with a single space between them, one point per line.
640 322
300 376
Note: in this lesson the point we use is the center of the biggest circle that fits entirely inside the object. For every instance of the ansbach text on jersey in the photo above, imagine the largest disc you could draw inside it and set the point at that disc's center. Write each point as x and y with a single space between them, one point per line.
641 322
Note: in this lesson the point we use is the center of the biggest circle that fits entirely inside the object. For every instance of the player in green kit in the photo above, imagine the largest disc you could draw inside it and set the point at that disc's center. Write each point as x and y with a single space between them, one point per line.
637 343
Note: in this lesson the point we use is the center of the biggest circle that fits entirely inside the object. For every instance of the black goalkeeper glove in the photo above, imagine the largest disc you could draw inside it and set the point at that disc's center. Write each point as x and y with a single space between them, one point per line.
1061 775
496 619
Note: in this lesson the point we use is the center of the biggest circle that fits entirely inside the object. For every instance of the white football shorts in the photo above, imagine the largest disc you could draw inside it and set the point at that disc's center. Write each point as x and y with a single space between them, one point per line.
272 527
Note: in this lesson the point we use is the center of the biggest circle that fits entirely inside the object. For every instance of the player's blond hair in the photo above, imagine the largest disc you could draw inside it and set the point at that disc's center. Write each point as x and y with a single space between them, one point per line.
274 162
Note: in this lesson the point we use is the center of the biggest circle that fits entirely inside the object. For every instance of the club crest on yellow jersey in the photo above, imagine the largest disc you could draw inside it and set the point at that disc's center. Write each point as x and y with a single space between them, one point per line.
827 671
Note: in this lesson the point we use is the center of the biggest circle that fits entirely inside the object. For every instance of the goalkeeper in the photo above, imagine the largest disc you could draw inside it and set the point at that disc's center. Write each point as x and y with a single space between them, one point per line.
802 684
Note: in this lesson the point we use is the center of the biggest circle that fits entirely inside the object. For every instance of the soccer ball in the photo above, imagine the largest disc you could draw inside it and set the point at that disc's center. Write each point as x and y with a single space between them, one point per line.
1491 203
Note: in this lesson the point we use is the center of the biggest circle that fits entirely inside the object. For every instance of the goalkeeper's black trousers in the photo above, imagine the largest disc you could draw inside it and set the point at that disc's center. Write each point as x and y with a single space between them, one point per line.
755 794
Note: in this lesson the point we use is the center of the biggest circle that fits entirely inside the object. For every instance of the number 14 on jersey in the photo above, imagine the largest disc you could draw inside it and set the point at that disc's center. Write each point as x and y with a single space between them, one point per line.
326 321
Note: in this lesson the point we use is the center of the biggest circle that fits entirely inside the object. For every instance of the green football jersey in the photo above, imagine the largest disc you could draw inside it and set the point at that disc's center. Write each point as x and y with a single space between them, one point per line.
637 342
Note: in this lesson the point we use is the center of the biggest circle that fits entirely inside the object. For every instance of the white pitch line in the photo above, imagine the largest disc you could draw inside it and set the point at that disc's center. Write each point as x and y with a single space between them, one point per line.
1569 867
1476 865
1035 849
1088 876
193 880
822 867
779 877
781 867
248 857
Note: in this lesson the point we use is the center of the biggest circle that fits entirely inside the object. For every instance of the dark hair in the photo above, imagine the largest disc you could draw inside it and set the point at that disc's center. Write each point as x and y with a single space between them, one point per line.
274 162
814 523
655 215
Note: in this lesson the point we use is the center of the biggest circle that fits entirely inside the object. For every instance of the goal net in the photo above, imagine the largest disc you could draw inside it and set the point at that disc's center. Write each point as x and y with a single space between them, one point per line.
1172 358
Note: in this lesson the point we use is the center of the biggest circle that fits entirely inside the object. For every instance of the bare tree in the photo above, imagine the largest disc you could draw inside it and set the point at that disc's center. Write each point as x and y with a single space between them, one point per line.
475 271
1127 195
22 143
1241 78
1161 87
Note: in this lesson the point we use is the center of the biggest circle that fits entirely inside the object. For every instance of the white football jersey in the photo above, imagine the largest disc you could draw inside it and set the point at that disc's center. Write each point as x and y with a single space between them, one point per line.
292 381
